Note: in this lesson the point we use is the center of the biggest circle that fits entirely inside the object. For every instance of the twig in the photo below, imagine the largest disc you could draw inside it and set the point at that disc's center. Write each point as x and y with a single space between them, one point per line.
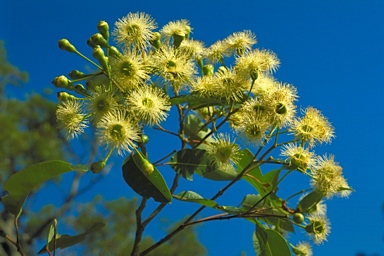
139 227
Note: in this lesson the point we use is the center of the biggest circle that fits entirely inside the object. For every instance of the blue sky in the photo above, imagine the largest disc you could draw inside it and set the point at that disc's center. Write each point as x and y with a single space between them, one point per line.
332 51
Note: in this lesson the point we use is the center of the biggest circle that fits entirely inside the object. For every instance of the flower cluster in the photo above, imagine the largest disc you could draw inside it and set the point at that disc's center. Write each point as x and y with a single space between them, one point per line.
136 86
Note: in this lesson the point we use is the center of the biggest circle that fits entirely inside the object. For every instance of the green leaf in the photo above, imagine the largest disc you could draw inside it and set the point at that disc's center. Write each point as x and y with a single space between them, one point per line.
187 161
64 241
230 209
192 130
190 196
254 176
20 184
268 242
309 201
280 223
251 201
213 173
80 167
145 179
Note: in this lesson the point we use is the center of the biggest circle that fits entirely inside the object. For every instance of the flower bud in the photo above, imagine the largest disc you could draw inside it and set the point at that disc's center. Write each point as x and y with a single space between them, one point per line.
208 70
144 139
65 45
91 86
62 82
143 163
97 167
90 43
177 39
98 54
64 96
103 28
254 75
98 39
155 42
199 61
76 74
79 88
114 51
148 167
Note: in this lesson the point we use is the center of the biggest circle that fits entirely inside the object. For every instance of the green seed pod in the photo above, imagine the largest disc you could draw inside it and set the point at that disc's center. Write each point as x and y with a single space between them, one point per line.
98 39
298 217
103 28
97 167
65 45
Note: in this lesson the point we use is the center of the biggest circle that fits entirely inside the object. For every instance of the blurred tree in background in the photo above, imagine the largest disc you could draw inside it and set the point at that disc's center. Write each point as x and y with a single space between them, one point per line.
28 136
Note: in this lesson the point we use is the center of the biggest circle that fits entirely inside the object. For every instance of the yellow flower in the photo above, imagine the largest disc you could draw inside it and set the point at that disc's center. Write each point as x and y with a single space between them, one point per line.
313 127
328 176
116 131
280 100
203 86
135 29
263 84
149 104
319 227
298 158
241 42
192 48
100 103
217 51
178 30
173 66
228 85
302 249
223 152
129 71
253 63
70 118
253 127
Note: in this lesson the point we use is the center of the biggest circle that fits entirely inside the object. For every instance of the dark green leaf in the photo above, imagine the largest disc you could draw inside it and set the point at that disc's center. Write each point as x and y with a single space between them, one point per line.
147 183
187 161
309 201
20 184
268 242
190 196
64 241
